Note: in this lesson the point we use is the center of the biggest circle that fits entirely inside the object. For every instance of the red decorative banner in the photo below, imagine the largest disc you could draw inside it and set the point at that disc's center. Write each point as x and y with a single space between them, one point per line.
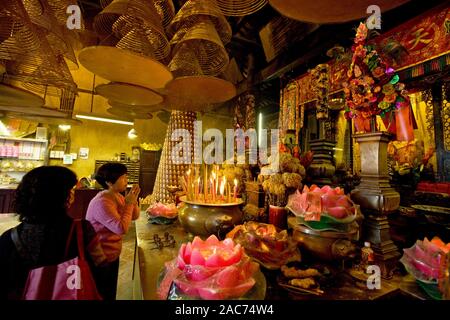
424 37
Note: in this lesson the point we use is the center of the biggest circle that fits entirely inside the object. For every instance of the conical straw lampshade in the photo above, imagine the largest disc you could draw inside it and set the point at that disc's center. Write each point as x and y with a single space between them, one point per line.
170 170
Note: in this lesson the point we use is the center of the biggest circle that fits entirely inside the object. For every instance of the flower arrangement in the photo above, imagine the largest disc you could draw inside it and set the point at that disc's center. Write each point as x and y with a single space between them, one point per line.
267 245
210 269
279 185
373 87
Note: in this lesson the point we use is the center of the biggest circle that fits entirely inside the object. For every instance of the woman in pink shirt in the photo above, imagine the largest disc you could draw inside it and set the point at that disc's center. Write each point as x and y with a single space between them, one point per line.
110 213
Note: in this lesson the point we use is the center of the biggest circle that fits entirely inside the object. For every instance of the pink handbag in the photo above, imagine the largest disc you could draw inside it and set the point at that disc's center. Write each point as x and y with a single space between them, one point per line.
69 280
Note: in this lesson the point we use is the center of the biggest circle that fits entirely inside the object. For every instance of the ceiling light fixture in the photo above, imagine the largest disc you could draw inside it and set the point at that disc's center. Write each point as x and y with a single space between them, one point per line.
132 134
64 127
128 123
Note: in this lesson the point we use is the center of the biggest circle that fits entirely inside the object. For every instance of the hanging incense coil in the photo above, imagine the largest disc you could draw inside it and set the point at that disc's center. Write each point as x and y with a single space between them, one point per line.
134 35
120 17
191 90
118 65
185 62
136 40
29 56
194 11
128 94
203 39
129 114
166 11
240 8
6 27
327 11
42 14
104 3
21 42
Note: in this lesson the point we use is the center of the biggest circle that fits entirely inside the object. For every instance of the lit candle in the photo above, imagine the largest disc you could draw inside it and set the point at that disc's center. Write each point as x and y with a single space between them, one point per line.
222 188
235 190
228 193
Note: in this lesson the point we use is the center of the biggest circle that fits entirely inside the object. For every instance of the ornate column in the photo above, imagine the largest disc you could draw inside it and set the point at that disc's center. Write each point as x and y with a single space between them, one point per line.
377 199
322 167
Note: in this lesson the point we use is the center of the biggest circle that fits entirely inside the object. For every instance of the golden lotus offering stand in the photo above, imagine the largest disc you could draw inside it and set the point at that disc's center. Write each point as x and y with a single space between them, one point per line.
377 199
204 218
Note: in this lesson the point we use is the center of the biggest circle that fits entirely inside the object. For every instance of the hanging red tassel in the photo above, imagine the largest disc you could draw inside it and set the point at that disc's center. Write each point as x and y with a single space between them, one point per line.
404 120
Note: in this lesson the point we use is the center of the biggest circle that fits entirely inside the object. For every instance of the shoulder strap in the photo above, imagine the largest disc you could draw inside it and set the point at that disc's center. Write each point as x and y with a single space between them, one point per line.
21 249
80 241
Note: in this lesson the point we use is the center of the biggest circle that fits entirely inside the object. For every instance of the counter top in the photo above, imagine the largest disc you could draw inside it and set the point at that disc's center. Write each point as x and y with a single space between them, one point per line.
152 260
151 263
9 186
8 221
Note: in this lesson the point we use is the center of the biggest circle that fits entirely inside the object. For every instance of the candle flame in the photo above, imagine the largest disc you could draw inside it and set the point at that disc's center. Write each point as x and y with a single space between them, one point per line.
235 182
222 187
188 172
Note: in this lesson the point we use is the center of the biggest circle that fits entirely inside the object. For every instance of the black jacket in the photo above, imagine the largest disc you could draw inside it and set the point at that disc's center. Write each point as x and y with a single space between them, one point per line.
45 244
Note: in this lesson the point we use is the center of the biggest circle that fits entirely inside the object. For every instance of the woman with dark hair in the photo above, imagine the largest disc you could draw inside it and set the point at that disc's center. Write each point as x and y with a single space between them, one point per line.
110 214
42 200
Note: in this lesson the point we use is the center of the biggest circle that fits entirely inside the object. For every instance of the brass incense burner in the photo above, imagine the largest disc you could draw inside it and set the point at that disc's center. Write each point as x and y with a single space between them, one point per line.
325 245
204 219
